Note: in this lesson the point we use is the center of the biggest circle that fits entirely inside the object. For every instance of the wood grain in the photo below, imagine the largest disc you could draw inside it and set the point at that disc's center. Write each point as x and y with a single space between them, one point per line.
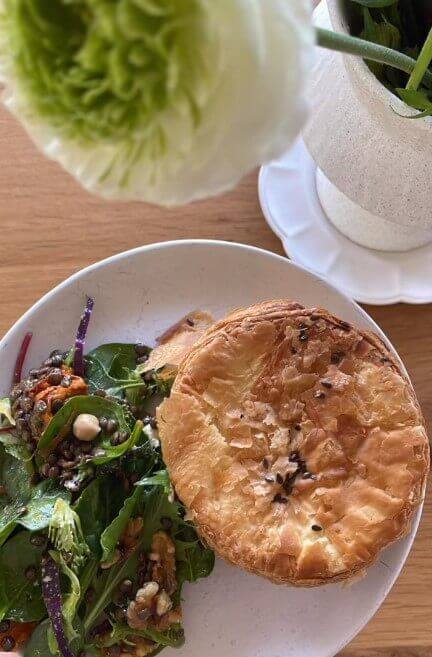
50 228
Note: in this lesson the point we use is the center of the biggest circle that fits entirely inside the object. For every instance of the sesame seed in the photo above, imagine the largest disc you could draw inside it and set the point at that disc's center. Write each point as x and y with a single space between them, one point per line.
280 499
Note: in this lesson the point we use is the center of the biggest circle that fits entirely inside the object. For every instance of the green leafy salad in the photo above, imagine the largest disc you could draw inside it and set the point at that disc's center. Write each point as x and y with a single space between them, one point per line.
404 25
94 546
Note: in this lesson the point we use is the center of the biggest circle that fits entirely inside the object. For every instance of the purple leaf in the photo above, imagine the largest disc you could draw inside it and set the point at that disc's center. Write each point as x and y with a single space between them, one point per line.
78 361
53 601
21 358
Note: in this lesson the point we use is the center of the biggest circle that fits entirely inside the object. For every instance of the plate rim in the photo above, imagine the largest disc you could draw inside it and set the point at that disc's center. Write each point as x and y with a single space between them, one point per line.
268 214
169 244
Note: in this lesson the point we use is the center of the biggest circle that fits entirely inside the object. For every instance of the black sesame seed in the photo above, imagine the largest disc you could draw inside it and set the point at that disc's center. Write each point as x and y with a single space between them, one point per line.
303 335
345 326
4 626
8 643
327 384
100 392
297 427
316 528
280 499
269 479
190 322
336 357
385 360
30 573
279 478
265 463
294 456
56 405
320 394
307 475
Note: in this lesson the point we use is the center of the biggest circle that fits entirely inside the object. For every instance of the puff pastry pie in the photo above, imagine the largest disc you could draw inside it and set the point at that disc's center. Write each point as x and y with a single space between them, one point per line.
295 442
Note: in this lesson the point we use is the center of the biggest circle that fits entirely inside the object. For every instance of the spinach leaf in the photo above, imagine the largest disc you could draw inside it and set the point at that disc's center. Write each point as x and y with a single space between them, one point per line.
20 599
6 418
111 367
116 452
376 4
111 536
96 507
38 645
195 561
61 423
21 503
13 445
173 636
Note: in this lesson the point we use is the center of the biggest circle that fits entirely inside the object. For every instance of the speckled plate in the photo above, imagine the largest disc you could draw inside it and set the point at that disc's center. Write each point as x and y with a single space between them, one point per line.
140 293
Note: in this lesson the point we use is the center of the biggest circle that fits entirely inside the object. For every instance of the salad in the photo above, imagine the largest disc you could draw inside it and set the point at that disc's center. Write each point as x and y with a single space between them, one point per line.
94 545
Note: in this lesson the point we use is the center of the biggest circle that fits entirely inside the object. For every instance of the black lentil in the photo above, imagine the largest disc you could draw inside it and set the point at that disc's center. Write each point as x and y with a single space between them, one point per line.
56 405
142 349
8 643
166 523
38 540
30 573
126 586
66 381
55 377
100 392
111 426
54 472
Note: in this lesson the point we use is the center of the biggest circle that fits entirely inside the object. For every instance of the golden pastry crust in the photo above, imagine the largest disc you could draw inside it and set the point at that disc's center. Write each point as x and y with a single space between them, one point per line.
295 442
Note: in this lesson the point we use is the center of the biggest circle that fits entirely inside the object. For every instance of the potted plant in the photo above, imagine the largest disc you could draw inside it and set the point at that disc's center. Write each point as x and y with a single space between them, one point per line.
373 150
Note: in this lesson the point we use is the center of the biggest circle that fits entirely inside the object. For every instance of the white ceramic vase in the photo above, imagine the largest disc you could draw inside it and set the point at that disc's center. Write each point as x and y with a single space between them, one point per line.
374 175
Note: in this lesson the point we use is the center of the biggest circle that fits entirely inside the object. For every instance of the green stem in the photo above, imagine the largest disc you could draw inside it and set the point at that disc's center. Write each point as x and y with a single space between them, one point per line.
423 61
351 45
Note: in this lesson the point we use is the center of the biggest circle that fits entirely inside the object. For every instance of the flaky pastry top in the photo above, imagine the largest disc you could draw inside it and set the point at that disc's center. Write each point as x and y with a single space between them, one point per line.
295 442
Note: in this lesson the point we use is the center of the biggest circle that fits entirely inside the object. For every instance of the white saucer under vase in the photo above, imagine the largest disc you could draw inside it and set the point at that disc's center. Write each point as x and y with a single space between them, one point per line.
290 203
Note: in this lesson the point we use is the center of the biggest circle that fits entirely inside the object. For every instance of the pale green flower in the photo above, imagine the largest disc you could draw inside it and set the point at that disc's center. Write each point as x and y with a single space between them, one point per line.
158 100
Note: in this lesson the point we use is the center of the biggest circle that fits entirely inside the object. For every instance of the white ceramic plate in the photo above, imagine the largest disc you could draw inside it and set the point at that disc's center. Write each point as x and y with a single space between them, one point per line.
140 293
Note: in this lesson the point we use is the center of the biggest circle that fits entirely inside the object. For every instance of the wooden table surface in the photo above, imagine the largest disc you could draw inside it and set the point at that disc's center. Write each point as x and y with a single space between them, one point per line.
50 228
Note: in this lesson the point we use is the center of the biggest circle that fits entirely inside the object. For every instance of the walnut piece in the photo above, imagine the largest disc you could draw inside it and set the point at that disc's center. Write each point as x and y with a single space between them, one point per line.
140 609
164 568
